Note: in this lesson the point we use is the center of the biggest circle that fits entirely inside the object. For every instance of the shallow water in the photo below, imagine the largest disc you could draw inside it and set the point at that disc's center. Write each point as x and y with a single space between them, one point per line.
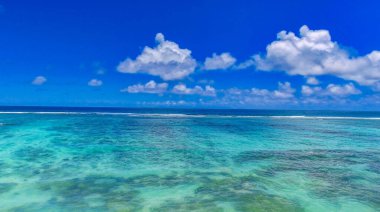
181 162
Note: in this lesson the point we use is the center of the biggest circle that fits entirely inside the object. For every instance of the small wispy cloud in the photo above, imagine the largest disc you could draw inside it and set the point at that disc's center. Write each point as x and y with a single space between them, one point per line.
149 87
39 80
95 83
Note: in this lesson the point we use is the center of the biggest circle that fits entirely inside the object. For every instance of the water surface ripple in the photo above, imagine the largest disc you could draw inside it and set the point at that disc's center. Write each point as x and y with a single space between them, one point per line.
182 162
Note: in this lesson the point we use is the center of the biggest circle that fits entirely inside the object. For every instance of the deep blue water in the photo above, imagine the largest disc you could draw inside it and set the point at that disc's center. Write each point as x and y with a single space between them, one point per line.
234 112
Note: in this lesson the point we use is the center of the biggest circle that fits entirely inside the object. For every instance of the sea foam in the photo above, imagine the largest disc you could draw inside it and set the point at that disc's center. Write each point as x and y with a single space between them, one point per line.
182 115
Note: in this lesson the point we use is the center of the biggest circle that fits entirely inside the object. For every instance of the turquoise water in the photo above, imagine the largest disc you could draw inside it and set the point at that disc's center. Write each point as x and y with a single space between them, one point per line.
189 161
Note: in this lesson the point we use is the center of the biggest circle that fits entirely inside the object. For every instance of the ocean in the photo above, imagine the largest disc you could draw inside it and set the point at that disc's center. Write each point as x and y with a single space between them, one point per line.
117 159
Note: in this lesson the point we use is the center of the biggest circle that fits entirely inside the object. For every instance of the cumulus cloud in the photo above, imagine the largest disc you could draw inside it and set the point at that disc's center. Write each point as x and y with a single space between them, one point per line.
331 90
285 90
95 83
312 81
222 61
308 91
183 89
313 53
149 87
342 90
39 80
167 60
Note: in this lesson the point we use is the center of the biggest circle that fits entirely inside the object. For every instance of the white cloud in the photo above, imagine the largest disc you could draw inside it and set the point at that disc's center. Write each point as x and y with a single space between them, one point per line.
206 81
95 83
222 61
256 92
331 90
167 60
149 87
168 103
313 53
312 81
183 89
308 91
284 94
39 80
285 90
342 90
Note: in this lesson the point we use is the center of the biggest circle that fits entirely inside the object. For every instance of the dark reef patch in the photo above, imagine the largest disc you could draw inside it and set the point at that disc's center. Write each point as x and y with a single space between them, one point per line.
74 193
334 167
5 187
33 154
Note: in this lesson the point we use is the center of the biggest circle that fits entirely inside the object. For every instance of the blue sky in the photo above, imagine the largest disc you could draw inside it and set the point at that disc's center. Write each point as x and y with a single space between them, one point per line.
208 54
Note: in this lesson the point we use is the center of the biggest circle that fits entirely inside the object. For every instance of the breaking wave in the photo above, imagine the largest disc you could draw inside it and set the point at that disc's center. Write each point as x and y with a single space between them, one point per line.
182 115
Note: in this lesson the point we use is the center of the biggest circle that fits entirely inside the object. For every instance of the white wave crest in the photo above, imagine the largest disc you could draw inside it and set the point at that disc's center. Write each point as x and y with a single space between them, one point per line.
180 115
